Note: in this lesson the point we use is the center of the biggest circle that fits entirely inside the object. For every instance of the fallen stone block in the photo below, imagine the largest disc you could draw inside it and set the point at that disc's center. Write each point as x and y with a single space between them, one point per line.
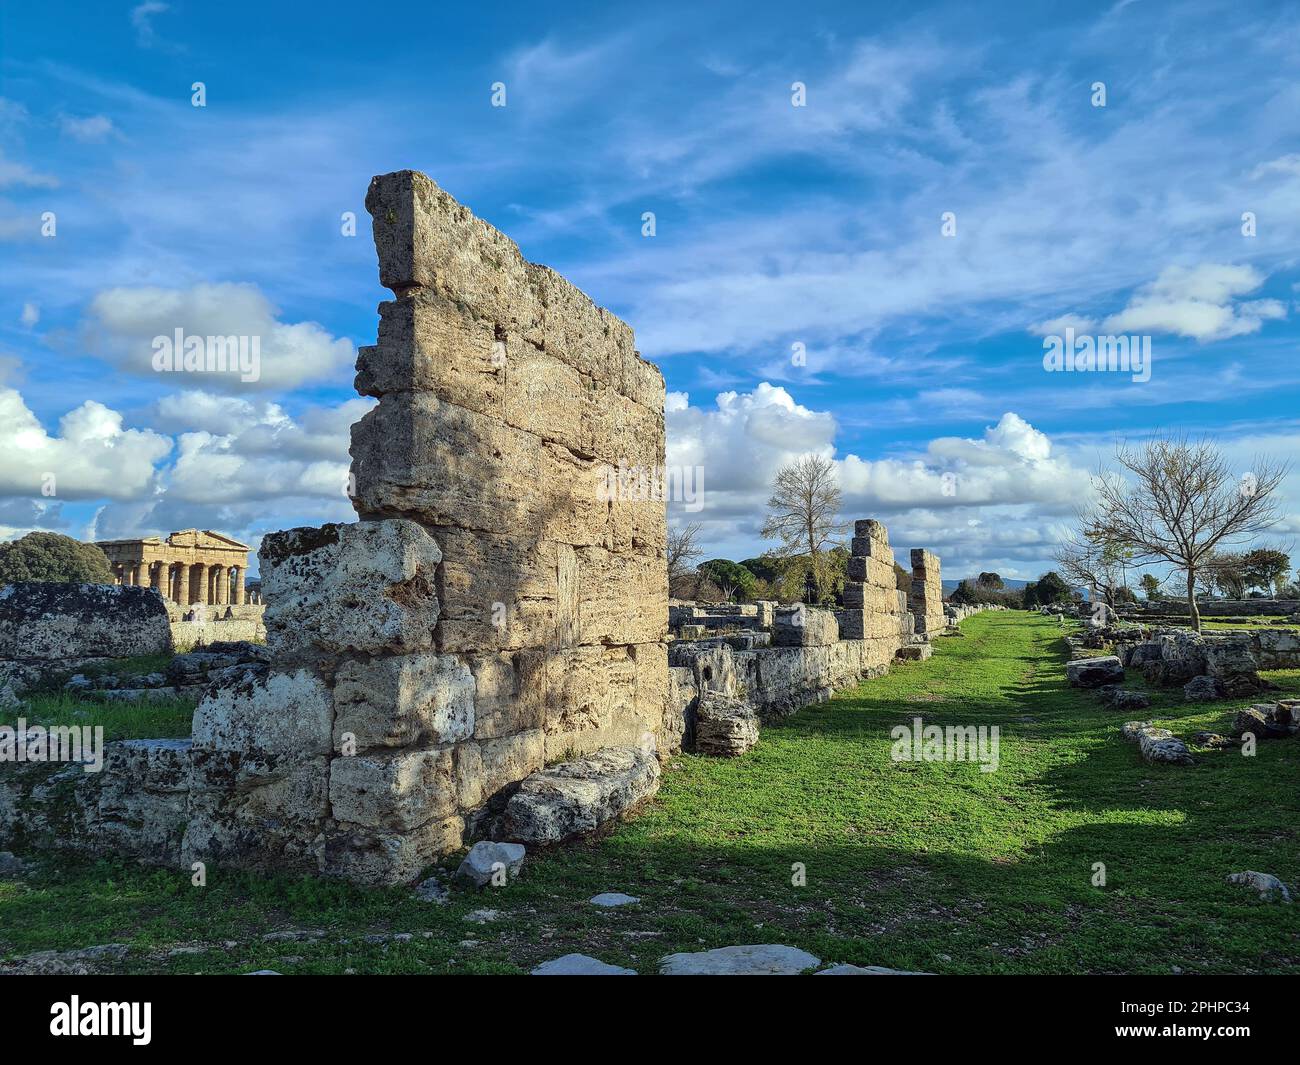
1094 672
1157 745
613 899
1270 888
55 622
1202 689
1113 695
1260 721
724 727
487 860
579 965
767 959
577 797
914 652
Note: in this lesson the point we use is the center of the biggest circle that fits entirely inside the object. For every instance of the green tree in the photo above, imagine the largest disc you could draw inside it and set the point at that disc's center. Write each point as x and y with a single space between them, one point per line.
735 581
1265 568
47 556
1151 586
990 581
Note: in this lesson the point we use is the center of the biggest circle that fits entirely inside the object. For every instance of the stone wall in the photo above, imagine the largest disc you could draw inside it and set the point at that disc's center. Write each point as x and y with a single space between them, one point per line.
1219 608
495 608
875 608
188 635
925 599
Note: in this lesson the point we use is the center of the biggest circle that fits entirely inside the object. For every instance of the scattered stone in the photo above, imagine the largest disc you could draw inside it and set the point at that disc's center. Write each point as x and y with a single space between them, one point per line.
766 959
1094 672
78 682
1157 744
482 916
82 962
486 858
1270 888
1119 698
577 797
579 965
1202 689
866 970
11 865
724 727
1261 720
433 890
1212 739
613 898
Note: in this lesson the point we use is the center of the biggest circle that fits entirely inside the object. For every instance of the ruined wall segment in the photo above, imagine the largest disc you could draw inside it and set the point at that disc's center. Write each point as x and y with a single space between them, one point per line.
875 609
505 398
925 599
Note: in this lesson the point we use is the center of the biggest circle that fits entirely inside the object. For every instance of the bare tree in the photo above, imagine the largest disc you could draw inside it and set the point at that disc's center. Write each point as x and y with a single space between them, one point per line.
683 549
803 510
1082 560
1176 500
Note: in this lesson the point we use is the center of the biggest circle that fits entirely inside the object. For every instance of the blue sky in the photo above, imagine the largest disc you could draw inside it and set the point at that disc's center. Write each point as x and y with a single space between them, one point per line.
776 225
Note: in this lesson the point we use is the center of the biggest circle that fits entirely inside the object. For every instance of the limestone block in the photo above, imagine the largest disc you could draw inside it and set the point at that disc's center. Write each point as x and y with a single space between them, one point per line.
403 700
256 812
858 624
724 727
872 547
872 571
1094 672
366 856
805 627
870 598
925 564
579 965
428 342
417 454
425 238
577 797
509 759
767 959
264 713
488 860
46 621
368 586
394 790
510 692
869 527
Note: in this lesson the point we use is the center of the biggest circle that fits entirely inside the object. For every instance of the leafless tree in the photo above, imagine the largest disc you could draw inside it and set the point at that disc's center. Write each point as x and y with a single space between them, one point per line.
683 549
803 510
1082 560
1176 500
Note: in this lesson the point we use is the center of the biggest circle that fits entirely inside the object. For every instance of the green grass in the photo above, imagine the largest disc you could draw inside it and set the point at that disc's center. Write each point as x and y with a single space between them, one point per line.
170 718
931 866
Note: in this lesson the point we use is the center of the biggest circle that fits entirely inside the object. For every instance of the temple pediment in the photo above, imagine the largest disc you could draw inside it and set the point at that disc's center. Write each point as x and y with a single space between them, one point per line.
204 538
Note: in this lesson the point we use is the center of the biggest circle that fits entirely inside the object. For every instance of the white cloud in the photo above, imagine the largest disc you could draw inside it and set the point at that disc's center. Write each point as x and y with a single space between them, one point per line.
91 129
142 19
1201 302
31 314
1003 489
15 173
123 322
91 456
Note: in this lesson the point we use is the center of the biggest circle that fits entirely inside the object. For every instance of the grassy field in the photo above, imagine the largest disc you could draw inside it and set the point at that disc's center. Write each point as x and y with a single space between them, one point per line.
929 866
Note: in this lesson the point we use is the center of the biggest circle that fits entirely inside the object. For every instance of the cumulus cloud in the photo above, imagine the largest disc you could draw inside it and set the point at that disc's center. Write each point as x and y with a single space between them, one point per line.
91 456
31 315
1200 302
123 324
1003 489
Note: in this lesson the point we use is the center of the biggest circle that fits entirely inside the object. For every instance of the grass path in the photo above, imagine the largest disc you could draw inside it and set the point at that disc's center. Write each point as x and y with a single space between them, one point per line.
931 866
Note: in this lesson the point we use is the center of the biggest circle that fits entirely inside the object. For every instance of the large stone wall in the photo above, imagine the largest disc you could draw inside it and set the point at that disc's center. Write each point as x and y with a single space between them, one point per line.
495 608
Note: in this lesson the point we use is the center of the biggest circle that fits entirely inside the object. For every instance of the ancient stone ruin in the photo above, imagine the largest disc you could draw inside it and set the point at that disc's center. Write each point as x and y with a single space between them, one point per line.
485 652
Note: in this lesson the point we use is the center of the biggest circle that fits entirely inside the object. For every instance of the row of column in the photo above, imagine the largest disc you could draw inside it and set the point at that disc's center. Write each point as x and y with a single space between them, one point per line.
188 584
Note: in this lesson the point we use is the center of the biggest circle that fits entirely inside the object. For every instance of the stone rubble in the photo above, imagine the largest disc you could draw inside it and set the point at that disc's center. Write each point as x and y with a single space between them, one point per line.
1157 745
486 860
576 798
768 959
724 727
1270 888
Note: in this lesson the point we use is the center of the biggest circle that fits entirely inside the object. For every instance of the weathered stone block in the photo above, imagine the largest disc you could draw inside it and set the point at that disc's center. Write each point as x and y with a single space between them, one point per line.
48 622
577 797
366 856
368 586
872 571
805 627
396 790
1094 672
869 597
724 727
403 700
265 713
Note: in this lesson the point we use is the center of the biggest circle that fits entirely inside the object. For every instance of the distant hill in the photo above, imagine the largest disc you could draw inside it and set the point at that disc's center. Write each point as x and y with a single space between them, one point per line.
1008 582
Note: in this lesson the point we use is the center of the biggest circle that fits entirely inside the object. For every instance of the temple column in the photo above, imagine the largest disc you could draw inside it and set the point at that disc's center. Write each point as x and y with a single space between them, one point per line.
239 586
196 585
223 585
